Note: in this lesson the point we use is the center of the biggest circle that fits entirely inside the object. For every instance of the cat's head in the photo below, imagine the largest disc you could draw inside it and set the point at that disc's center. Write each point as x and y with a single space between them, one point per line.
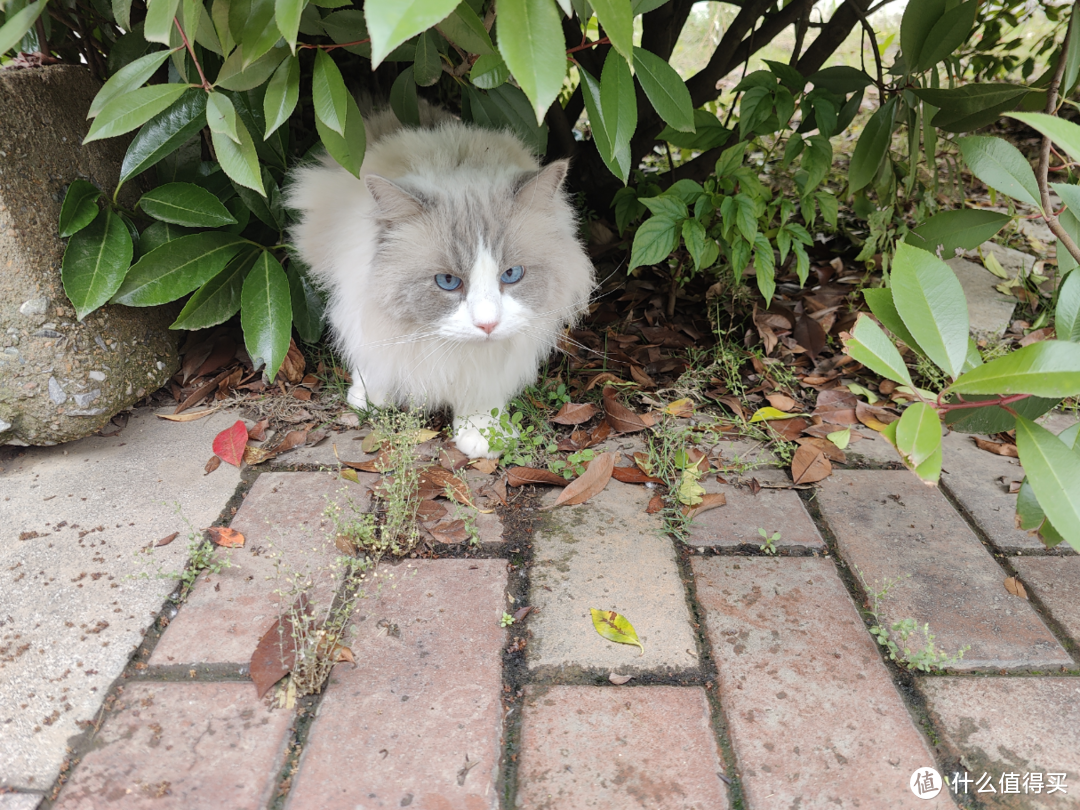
479 259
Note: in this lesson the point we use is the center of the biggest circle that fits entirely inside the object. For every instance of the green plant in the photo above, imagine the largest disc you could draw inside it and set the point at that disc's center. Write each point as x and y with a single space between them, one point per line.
506 620
904 641
202 556
518 441
769 546
574 464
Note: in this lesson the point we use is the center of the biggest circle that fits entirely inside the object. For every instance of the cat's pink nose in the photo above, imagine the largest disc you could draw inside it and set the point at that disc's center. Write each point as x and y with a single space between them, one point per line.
487 327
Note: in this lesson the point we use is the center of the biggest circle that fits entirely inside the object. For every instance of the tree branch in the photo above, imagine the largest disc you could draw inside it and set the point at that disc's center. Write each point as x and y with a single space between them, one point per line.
660 28
1052 221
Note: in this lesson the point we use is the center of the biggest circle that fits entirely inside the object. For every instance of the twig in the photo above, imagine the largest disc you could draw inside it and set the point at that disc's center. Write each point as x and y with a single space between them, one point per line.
329 48
43 41
1044 154
1001 402
588 44
205 84
873 41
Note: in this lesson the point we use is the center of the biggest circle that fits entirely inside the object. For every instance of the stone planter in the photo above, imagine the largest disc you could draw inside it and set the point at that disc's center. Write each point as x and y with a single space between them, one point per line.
60 379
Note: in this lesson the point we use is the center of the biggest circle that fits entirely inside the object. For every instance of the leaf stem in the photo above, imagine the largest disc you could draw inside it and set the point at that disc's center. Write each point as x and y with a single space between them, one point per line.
202 76
1001 402
329 48
584 46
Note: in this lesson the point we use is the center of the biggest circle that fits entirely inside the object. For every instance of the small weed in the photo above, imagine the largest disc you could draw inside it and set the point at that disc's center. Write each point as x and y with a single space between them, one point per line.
932 377
506 620
520 442
202 556
769 546
909 645
574 464
465 515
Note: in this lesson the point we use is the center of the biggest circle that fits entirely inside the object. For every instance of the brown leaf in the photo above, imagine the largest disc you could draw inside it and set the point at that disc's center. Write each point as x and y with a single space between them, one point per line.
521 613
440 479
485 465
874 416
886 387
212 465
641 378
618 679
224 350
831 451
225 537
519 476
189 416
789 429
998 448
782 402
230 381
755 486
451 458
710 500
257 455
342 654
602 379
810 335
499 489
275 654
292 440
430 510
656 504
809 465
734 404
837 407
450 533
633 475
293 365
345 545
574 414
590 483
195 355
379 464
1014 586
300 393
164 541
258 433
620 417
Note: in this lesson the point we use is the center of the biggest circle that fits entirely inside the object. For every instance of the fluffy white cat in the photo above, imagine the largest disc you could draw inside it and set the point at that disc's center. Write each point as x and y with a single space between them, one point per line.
452 265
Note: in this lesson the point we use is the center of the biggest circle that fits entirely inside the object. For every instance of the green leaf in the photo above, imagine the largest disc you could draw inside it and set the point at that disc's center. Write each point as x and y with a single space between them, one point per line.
615 627
132 75
266 314
239 160
829 205
218 299
532 45
948 34
950 231
157 234
1053 470
176 268
348 151
693 233
514 109
79 208
840 79
918 436
428 65
489 71
159 25
221 116
1064 133
618 20
1000 165
185 204
708 133
654 241
872 146
125 113
665 90
931 302
880 300
918 21
287 16
307 305
328 93
1049 368
252 25
403 99
992 419
165 133
237 74
970 106
666 205
467 31
873 348
282 93
391 22
16 26
1067 313
731 159
95 262
788 76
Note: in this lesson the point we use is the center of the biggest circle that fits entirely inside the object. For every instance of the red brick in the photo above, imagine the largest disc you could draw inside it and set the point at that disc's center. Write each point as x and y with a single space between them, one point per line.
423 704
1056 583
189 746
890 525
814 718
282 517
774 510
613 748
1002 726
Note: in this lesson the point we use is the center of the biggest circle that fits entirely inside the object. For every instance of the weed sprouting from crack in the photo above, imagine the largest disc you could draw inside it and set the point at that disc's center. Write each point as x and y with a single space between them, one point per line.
202 556
909 645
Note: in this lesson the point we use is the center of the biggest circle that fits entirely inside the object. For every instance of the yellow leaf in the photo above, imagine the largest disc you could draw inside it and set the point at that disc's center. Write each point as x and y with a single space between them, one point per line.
768 412
840 438
859 391
991 263
615 627
690 491
680 407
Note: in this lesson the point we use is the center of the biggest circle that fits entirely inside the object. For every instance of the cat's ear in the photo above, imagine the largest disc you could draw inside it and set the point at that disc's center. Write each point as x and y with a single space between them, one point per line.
545 184
391 201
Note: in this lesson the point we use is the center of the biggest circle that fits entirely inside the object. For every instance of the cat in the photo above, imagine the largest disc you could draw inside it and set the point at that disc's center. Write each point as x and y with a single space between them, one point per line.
451 266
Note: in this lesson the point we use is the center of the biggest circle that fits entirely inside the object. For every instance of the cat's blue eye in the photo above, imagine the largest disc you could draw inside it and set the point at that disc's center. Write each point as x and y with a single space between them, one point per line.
447 281
513 275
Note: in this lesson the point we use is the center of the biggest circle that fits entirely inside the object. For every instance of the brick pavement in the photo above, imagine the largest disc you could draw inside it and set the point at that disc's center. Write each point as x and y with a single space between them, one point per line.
761 686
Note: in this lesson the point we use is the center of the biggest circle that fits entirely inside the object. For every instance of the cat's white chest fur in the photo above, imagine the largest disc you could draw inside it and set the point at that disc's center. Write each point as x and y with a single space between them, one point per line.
451 266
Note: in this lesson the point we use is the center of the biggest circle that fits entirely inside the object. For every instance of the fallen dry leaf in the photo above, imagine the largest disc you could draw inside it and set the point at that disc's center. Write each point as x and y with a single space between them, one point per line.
874 416
275 654
164 541
1014 586
450 533
187 416
831 451
590 483
680 408
998 448
258 433
211 465
292 440
439 481
522 612
619 680
656 504
345 545
225 537
230 443
710 500
452 459
602 379
519 476
641 378
619 416
429 510
574 414
633 475
292 367
485 465
782 402
256 455
809 465
837 407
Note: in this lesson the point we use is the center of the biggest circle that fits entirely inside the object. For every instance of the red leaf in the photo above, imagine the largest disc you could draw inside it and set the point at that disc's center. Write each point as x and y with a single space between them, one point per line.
226 538
229 444
573 414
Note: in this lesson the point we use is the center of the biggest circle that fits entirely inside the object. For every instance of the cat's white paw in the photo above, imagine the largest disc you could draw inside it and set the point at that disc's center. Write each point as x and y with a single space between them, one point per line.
357 397
473 444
